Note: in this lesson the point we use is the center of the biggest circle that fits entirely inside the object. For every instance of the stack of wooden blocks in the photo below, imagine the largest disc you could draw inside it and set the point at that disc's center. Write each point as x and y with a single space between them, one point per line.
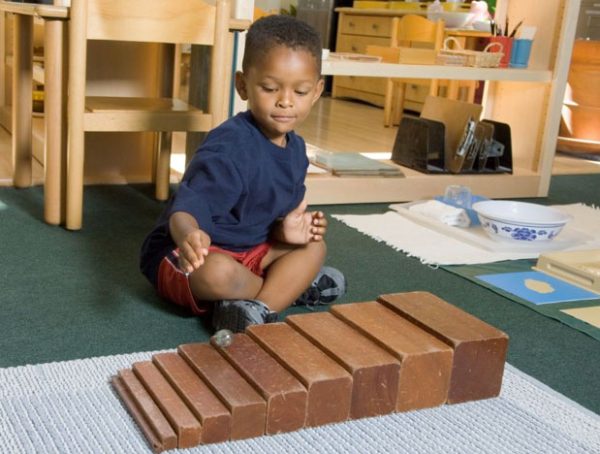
403 352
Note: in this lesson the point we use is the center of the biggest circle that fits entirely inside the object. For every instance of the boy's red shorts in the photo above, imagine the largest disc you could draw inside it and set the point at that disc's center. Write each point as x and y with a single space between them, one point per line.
173 283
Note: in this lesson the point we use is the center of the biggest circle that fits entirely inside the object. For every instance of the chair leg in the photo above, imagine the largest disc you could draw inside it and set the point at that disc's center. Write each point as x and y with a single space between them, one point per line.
388 103
398 109
163 166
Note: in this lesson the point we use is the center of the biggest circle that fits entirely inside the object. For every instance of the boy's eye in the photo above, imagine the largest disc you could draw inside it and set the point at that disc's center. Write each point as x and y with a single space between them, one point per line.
301 92
269 89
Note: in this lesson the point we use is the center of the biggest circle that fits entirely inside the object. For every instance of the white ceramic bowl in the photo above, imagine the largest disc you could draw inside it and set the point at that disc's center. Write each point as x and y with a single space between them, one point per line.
519 221
482 25
453 19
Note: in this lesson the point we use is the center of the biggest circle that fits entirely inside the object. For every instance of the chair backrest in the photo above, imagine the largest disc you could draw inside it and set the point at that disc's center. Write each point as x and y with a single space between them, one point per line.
417 31
161 21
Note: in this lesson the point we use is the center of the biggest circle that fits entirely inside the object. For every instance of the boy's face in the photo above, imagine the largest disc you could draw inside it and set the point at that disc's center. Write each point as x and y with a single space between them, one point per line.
280 89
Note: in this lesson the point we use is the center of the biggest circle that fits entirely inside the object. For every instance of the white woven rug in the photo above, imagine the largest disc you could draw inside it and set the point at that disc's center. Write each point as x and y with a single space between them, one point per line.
435 247
69 407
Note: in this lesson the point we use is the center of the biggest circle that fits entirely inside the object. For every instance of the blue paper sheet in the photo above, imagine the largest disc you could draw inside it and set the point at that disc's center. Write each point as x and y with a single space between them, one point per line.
537 288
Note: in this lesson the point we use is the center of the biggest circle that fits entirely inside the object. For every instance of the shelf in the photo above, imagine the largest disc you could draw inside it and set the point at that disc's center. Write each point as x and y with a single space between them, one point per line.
328 189
369 69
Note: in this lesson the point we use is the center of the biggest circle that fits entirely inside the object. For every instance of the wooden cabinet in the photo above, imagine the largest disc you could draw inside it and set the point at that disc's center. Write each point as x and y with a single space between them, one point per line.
358 28
529 100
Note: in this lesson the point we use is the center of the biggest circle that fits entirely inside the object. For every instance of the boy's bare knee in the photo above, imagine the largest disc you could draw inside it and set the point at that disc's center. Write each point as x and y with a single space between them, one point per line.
220 275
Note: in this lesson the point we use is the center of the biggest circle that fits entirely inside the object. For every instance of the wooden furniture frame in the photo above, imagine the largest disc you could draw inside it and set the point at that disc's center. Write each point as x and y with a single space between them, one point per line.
184 21
530 100
21 122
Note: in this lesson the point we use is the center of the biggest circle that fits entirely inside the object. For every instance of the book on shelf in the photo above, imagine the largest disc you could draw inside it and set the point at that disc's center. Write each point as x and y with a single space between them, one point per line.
354 164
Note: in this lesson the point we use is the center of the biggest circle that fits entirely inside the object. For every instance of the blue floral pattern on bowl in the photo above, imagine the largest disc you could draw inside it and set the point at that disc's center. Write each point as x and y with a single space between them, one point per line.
520 233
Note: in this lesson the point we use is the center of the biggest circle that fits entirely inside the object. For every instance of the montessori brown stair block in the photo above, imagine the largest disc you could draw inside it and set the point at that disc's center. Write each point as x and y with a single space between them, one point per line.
425 362
208 409
247 407
329 385
182 420
375 372
286 397
479 348
144 410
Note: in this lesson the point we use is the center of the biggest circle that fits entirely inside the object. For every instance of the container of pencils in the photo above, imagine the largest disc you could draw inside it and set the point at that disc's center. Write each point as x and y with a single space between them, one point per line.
507 43
521 49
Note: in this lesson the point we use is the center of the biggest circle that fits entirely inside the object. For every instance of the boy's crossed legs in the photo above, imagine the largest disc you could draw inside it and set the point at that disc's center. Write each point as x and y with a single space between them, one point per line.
243 297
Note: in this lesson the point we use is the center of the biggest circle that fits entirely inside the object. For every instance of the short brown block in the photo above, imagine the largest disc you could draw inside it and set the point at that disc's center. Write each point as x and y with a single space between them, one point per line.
248 409
479 348
144 410
375 372
329 385
186 426
212 414
285 396
426 362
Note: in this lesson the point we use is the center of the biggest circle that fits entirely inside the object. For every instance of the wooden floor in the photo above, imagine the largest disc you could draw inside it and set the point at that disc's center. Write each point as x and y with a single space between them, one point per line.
333 125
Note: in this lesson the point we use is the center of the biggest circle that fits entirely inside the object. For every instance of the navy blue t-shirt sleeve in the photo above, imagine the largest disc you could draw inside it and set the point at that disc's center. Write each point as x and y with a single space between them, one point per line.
210 188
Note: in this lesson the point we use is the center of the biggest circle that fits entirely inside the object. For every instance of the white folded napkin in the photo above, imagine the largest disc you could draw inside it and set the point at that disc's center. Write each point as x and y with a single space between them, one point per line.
442 212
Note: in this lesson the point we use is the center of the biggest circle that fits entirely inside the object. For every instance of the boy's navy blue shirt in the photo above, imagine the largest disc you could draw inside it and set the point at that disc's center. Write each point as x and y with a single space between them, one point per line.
236 186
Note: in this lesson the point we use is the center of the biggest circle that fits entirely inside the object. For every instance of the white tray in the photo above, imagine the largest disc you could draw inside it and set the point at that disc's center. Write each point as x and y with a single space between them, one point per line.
476 236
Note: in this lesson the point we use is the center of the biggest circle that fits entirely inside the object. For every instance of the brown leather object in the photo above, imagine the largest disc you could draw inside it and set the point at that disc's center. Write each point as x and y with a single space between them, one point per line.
185 424
375 372
146 413
479 348
329 385
285 396
208 409
425 362
248 409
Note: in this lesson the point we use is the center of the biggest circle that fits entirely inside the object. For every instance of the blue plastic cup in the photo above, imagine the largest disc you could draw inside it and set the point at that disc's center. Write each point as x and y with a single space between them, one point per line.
521 49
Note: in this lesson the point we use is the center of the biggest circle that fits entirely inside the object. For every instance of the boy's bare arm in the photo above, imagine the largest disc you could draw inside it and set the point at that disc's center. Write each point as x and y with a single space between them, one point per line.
193 243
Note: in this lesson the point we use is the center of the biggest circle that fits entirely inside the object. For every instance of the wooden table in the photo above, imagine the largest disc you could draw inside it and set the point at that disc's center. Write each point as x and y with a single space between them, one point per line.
54 98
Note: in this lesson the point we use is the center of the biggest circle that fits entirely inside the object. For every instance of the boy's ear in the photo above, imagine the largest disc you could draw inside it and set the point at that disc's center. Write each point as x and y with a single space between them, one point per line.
319 90
240 85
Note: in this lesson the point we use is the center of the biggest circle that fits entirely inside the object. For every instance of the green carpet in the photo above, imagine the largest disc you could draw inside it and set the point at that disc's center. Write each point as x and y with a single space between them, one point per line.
68 295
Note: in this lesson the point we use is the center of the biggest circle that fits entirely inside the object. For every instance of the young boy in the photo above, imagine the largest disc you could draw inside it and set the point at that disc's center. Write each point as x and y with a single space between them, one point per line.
236 237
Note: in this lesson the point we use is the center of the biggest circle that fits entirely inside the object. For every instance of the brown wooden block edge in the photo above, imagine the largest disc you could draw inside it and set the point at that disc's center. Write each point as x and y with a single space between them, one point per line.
155 442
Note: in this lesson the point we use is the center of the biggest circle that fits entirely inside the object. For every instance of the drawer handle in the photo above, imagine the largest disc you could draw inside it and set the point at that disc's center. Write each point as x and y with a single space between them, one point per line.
375 26
350 24
354 49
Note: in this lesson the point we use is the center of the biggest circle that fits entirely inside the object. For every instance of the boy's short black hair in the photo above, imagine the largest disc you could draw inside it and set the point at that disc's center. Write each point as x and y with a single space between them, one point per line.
280 30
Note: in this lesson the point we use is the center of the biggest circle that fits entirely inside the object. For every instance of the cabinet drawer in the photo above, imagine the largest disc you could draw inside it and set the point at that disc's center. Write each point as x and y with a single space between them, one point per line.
358 44
366 25
416 93
367 84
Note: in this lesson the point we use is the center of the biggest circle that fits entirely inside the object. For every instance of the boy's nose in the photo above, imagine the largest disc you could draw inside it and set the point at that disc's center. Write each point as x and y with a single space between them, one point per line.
285 100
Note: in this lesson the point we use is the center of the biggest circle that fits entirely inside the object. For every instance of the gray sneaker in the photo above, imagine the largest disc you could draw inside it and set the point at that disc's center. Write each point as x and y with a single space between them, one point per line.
329 285
237 315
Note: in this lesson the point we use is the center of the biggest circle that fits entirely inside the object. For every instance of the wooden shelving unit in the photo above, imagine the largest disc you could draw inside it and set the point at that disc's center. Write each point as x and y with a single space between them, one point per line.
529 100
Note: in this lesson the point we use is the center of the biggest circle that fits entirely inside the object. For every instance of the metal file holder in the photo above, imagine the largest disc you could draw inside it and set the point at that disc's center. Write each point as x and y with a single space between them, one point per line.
419 145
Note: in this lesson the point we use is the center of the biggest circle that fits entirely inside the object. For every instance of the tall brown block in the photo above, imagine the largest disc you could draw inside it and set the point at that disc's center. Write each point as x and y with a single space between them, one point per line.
181 418
212 414
425 362
247 407
144 410
285 396
329 385
375 372
479 348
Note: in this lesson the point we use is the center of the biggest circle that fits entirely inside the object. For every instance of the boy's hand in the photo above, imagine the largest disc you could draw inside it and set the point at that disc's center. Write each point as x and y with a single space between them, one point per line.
193 250
301 227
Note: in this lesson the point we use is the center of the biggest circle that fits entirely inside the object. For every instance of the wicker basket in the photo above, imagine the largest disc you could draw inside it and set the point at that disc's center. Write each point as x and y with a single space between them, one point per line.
462 57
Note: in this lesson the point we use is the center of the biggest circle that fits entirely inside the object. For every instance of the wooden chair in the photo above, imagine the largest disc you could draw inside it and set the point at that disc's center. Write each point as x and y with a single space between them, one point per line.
157 21
410 31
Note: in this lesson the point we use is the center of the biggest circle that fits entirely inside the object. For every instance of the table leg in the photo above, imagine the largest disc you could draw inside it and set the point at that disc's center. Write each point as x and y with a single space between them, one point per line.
22 109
